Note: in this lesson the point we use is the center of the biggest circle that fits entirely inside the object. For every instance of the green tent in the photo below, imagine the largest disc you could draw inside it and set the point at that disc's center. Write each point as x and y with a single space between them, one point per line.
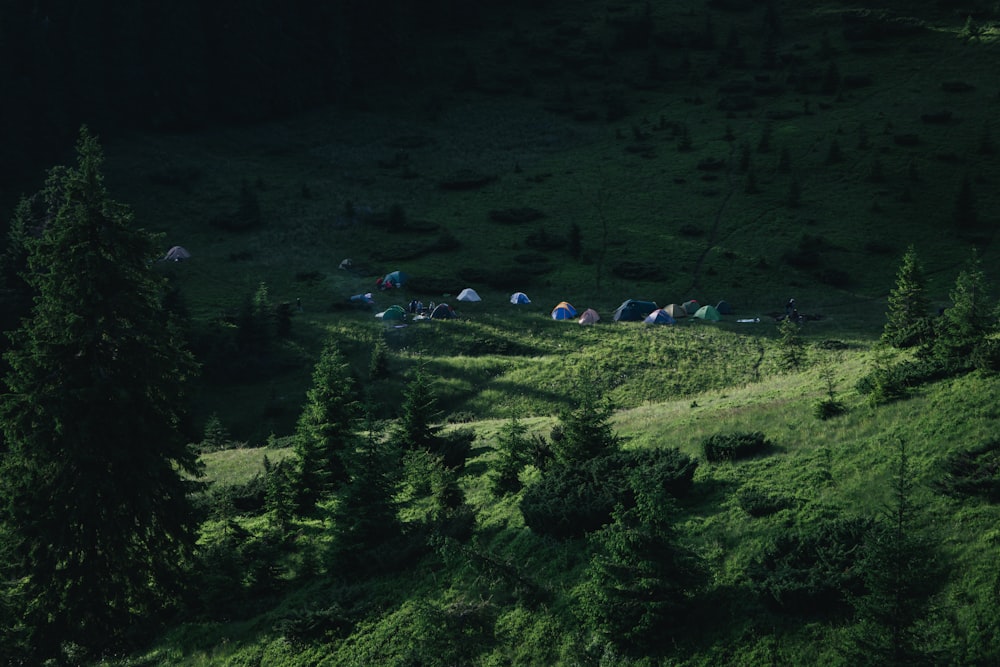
710 313
393 313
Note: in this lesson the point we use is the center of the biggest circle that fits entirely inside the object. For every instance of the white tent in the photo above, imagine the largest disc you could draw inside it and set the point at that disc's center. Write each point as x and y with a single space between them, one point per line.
176 254
468 294
519 297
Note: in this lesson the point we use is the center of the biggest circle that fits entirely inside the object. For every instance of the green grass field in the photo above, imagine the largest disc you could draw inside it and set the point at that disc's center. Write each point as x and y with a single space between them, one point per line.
815 159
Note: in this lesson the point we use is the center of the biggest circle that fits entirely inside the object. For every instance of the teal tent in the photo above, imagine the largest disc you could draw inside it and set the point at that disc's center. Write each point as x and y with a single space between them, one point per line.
392 313
709 313
394 279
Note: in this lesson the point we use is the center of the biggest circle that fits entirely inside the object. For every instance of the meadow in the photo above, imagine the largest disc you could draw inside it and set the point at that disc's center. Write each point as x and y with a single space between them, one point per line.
739 151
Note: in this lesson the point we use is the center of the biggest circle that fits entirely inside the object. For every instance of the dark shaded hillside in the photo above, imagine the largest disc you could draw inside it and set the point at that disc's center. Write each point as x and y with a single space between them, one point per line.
187 64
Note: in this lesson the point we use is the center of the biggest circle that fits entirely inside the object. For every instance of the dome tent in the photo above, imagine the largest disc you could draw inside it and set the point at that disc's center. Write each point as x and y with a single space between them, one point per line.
519 298
708 313
590 316
393 279
468 294
392 313
659 316
176 254
633 310
442 311
563 311
675 311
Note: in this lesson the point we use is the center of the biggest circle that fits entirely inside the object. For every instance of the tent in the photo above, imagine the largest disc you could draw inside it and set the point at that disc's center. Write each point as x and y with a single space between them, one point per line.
442 311
394 279
392 313
176 254
590 316
632 310
708 313
468 294
365 298
691 307
724 308
519 297
346 264
563 311
659 316
675 311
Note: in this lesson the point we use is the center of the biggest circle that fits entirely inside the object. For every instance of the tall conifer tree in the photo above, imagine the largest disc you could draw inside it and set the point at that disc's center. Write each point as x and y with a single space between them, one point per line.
906 320
971 317
92 500
325 436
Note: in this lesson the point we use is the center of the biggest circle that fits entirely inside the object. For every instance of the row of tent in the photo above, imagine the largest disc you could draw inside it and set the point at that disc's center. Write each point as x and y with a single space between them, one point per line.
633 310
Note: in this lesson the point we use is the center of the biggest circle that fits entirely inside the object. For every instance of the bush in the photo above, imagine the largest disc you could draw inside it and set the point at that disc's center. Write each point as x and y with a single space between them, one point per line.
972 473
759 503
829 408
812 572
573 500
732 446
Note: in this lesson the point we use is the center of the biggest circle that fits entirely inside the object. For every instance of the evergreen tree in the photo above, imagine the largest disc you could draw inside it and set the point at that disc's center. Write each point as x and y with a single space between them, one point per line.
907 318
416 427
94 509
792 350
514 453
969 319
325 433
640 581
901 569
586 431
365 517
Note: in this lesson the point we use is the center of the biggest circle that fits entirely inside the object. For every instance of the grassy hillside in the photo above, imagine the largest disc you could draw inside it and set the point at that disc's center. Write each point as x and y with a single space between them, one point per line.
731 150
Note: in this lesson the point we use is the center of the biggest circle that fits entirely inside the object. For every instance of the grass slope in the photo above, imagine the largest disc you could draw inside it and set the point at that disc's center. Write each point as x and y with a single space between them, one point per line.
708 161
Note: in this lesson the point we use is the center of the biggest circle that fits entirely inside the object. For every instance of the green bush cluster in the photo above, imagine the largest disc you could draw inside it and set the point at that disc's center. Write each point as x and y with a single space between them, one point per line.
812 571
759 502
572 500
732 446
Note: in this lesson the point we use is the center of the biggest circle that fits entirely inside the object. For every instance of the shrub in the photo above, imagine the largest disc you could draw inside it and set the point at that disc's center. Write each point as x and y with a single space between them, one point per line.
732 446
829 408
974 472
573 500
812 572
759 503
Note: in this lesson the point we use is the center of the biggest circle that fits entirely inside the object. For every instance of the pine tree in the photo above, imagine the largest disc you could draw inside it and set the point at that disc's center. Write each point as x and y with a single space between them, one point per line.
792 350
640 581
365 518
325 433
586 429
970 318
92 502
901 569
513 454
416 428
907 318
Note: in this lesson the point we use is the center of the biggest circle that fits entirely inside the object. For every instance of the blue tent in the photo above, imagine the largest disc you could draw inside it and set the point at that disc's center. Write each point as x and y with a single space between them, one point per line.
394 279
563 311
519 297
632 310
659 316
